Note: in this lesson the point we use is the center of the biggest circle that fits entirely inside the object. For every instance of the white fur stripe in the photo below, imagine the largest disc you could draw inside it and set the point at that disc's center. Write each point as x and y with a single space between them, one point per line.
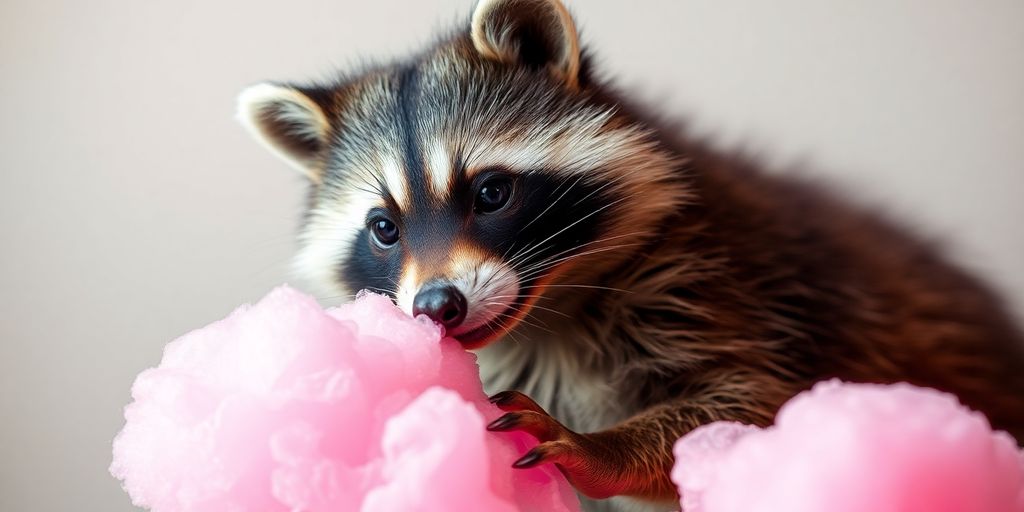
395 180
327 241
439 169
408 286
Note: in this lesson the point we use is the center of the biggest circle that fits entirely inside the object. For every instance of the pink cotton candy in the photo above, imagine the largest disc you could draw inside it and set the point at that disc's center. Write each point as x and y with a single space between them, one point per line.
284 406
854 448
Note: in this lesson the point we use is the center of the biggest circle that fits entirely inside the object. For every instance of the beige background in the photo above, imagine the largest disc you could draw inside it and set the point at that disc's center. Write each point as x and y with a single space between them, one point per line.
133 208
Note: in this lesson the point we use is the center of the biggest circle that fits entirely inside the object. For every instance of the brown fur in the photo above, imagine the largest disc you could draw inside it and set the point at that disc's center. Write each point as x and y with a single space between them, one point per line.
763 285
716 292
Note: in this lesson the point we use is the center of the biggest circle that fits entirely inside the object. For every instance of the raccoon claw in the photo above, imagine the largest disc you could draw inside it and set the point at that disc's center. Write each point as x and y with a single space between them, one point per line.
573 454
531 459
538 425
524 414
515 401
558 452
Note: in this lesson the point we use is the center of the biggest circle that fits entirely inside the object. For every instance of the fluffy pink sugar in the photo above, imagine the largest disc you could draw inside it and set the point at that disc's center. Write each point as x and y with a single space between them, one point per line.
285 406
703 450
430 456
854 447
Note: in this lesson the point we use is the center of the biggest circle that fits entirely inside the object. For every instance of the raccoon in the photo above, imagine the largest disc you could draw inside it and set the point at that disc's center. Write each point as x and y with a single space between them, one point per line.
621 283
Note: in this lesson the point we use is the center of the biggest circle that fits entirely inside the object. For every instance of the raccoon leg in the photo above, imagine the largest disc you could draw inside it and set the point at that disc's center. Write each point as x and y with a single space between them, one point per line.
633 458
629 459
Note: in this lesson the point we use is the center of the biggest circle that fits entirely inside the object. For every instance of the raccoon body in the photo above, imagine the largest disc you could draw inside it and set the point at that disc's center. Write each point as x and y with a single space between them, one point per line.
629 282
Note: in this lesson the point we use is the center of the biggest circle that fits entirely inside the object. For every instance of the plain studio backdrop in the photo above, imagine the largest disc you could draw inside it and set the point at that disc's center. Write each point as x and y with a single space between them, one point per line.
133 208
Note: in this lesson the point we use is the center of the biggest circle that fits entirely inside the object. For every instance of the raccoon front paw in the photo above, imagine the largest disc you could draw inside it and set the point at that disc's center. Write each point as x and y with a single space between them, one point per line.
585 463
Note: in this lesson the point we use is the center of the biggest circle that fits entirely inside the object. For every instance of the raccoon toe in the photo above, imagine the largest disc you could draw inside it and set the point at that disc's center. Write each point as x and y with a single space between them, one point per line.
515 401
537 424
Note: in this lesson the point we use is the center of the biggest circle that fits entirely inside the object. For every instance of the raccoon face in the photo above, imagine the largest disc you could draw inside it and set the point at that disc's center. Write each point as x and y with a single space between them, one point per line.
470 182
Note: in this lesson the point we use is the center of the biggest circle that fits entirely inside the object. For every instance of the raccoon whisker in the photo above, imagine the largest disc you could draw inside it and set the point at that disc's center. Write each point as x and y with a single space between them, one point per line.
503 272
381 182
381 189
364 179
587 286
545 265
533 251
508 332
397 288
510 268
551 261
529 319
524 252
553 203
609 183
505 256
504 327
528 249
386 291
519 296
553 256
555 311
368 190
598 241
371 188
583 218
545 327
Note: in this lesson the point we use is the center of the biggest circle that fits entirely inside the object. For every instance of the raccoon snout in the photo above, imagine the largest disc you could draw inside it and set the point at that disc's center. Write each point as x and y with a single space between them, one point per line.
442 303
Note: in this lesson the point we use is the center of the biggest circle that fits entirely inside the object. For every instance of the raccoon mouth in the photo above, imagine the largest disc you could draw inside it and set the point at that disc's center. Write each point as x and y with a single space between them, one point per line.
479 336
492 329
502 323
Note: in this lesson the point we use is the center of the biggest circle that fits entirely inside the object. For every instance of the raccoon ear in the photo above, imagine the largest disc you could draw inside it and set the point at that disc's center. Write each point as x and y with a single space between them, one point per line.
290 122
535 33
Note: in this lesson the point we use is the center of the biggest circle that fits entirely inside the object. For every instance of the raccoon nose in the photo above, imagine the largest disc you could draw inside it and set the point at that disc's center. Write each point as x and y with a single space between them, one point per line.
443 304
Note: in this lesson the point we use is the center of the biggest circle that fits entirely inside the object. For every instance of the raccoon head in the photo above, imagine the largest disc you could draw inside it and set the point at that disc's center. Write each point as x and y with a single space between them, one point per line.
473 180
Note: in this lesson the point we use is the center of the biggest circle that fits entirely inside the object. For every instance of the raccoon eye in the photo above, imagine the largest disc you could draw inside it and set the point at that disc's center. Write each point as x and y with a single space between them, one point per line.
385 232
493 194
